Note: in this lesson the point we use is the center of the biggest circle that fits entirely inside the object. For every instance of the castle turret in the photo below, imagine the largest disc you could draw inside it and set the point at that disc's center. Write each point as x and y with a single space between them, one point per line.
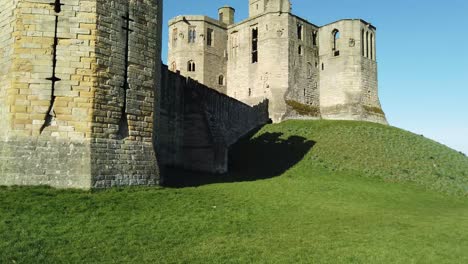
226 15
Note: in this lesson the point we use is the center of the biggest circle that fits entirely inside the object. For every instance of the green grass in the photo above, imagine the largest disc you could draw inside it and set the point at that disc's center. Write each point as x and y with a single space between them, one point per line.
313 193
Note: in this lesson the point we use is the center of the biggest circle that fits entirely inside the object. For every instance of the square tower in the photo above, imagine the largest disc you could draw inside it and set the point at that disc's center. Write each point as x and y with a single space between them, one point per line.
77 92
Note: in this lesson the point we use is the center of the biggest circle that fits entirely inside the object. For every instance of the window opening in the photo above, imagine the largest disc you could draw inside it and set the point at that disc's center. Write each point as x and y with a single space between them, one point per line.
221 80
299 31
192 34
336 36
314 38
209 37
191 66
254 45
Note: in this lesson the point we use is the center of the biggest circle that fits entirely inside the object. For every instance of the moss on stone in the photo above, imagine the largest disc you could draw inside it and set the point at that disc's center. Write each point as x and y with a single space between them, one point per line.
373 110
302 109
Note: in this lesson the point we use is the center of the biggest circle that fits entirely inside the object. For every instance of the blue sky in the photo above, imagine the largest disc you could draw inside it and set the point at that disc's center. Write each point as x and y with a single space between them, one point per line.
422 51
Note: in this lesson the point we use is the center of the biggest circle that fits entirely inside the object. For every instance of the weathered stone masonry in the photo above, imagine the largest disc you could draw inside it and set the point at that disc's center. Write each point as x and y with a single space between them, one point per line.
65 129
199 124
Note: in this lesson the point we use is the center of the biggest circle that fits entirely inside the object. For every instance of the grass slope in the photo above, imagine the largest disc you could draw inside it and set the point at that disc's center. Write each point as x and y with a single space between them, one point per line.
311 206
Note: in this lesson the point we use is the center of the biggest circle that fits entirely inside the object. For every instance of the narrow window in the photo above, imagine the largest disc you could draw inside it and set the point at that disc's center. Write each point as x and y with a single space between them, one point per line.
254 45
362 43
367 44
336 37
323 67
250 92
372 46
299 50
191 66
299 31
209 37
314 38
221 80
192 34
174 37
173 66
221 16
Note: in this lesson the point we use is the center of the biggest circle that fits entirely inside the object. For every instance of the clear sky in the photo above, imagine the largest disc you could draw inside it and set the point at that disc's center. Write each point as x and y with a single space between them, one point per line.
422 52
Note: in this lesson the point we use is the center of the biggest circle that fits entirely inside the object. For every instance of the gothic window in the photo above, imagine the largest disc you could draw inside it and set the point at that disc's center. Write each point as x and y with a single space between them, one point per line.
191 66
209 37
192 34
299 31
254 45
336 36
314 38
221 80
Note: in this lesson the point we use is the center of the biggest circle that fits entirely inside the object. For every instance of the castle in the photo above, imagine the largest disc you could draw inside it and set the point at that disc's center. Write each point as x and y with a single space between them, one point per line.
305 71
85 102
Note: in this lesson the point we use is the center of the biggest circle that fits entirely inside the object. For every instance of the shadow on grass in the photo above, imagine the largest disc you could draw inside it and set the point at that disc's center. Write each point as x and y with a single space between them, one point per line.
250 159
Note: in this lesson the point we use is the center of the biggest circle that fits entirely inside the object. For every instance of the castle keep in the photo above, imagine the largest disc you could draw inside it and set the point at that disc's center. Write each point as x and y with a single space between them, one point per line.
85 102
305 71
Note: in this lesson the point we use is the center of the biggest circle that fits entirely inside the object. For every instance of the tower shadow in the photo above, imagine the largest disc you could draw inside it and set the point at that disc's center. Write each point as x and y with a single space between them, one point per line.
250 159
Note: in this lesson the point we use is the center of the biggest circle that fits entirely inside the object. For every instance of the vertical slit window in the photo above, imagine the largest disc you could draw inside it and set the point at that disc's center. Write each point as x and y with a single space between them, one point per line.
255 45
367 44
221 80
371 46
314 38
362 43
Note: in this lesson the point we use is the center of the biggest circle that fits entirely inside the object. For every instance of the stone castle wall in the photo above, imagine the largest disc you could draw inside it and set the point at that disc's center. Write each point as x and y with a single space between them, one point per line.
64 98
198 124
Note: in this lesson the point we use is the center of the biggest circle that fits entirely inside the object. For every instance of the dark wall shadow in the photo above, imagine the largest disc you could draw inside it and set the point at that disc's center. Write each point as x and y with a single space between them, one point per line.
250 159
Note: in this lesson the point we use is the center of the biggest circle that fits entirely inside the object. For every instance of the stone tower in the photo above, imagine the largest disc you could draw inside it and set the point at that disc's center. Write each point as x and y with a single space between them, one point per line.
197 48
77 92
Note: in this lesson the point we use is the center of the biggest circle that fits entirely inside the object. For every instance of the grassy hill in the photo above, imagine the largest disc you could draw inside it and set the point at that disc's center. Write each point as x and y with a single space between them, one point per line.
299 192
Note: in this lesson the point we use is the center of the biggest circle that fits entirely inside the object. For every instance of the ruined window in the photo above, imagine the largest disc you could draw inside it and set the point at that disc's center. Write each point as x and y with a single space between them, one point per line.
367 44
362 43
209 37
299 31
299 50
314 38
336 37
192 34
191 66
221 80
174 37
371 46
254 45
173 66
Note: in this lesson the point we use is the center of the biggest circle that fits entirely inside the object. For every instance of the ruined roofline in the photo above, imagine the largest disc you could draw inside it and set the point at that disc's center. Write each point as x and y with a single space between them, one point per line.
352 19
196 18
